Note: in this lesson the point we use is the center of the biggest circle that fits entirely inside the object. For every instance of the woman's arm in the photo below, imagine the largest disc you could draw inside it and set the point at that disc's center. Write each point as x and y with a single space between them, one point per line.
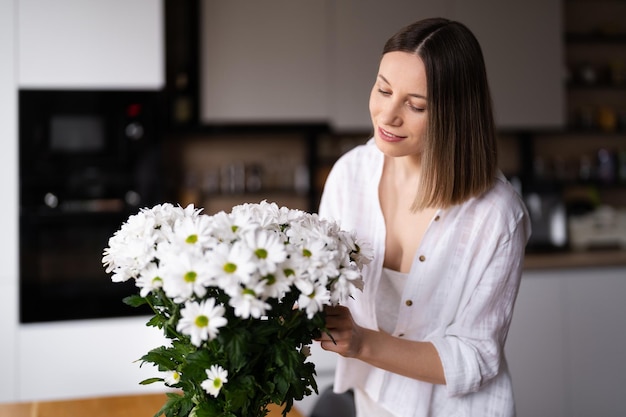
418 360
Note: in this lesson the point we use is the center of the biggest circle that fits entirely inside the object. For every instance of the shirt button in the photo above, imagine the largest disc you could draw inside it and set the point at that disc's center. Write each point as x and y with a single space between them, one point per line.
401 335
437 218
422 258
408 303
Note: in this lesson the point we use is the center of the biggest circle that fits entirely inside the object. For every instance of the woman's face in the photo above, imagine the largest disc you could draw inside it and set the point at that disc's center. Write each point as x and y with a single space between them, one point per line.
398 104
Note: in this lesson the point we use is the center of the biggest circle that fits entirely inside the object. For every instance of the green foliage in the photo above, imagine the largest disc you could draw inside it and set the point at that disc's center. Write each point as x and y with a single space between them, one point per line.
266 360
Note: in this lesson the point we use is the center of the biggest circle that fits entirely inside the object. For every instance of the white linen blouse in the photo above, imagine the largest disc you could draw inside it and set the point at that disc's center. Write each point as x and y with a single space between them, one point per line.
459 294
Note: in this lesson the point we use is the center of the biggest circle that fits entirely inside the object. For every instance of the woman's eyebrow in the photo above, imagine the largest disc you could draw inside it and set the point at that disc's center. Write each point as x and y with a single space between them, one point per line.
382 77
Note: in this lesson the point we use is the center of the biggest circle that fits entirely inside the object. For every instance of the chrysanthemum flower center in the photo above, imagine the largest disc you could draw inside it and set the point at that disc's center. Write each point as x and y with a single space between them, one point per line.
288 272
271 279
307 253
192 239
217 382
157 280
261 253
248 291
202 321
230 267
191 276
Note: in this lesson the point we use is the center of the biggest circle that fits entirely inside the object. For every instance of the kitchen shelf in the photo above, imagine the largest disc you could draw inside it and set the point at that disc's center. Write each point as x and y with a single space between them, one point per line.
596 38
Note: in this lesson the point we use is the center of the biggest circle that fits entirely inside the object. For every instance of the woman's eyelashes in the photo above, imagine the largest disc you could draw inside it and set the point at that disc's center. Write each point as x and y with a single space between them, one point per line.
413 107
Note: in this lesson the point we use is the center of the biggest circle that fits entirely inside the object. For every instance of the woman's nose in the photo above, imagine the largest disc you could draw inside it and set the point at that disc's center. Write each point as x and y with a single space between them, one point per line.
390 114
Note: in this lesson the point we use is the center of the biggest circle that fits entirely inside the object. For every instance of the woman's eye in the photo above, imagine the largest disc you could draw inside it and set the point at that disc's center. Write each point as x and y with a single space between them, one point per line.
384 92
416 109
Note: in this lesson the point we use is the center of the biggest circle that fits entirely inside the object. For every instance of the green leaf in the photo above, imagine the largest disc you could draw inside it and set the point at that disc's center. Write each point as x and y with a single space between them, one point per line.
150 381
134 300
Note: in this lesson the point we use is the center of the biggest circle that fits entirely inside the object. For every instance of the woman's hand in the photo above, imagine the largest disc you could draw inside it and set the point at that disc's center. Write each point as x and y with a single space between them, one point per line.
346 337
414 359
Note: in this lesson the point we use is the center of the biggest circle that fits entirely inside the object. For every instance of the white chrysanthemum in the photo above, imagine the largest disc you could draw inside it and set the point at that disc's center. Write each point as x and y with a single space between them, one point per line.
318 259
185 274
268 250
217 377
232 264
201 321
248 302
360 252
343 287
194 230
223 227
130 248
315 301
171 378
278 283
149 279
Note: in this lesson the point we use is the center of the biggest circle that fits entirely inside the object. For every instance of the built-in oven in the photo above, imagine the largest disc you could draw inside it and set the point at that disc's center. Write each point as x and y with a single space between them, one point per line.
87 160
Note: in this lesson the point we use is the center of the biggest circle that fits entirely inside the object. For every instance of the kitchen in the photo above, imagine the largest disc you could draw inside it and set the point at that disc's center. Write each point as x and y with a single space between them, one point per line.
570 305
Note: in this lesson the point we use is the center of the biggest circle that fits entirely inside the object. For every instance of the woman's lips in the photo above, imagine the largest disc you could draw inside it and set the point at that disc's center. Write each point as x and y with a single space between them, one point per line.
388 136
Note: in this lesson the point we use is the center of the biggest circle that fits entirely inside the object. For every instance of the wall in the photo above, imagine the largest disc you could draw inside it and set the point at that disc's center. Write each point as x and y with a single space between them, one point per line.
8 210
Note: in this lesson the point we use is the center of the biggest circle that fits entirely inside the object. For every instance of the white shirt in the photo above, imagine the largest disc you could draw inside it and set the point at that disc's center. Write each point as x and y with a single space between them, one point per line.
459 294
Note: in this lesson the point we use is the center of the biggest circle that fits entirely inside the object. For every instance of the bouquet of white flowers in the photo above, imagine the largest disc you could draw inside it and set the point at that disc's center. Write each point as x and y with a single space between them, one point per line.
240 295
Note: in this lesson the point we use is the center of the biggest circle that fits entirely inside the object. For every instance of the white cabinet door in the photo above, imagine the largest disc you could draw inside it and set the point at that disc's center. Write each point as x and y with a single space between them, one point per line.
596 336
536 345
361 28
264 61
567 343
522 42
9 210
91 44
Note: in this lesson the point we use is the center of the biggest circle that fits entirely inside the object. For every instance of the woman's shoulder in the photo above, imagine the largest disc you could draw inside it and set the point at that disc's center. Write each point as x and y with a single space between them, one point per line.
504 201
501 204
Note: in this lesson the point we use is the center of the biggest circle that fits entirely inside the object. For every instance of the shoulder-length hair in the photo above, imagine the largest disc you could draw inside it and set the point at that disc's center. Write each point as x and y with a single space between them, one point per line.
460 150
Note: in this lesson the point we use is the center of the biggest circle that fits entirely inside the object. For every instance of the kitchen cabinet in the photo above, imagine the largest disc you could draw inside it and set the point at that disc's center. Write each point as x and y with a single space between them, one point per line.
595 40
264 62
9 208
566 343
280 61
523 50
360 31
584 163
525 80
90 44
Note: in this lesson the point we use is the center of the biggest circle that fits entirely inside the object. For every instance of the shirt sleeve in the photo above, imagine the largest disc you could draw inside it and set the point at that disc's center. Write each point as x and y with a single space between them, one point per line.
471 347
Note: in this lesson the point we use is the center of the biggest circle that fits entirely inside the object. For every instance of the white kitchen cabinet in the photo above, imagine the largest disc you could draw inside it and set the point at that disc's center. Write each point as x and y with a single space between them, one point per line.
90 44
9 208
567 342
264 61
535 347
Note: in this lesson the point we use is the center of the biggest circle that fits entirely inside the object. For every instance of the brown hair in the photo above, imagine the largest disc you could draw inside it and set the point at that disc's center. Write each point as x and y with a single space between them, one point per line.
460 153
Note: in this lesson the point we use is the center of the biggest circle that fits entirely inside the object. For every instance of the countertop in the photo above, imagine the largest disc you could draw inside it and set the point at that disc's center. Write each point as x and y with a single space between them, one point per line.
573 259
115 406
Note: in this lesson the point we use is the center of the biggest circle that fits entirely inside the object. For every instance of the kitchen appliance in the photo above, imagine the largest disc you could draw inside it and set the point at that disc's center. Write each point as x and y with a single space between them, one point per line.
548 216
87 160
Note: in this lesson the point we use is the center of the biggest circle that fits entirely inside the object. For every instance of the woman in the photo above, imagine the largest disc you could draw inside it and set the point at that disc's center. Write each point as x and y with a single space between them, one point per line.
426 337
